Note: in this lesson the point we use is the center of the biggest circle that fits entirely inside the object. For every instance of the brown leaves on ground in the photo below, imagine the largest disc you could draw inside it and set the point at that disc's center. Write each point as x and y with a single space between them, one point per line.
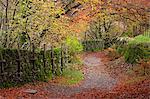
16 92
139 90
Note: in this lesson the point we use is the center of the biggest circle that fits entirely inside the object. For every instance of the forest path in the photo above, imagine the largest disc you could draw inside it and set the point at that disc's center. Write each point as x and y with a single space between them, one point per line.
97 84
95 76
95 73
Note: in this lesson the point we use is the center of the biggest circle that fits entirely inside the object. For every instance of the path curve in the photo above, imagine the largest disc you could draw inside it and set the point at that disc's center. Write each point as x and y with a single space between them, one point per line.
95 76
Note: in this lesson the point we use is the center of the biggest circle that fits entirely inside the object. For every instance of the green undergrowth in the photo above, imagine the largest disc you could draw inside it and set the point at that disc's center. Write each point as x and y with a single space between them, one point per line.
8 85
140 39
136 49
72 76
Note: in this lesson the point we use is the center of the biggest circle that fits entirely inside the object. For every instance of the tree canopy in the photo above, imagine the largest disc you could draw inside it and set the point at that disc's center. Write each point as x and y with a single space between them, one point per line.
48 21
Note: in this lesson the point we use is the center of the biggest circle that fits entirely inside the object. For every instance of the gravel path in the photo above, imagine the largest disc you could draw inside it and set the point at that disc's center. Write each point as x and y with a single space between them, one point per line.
95 77
95 74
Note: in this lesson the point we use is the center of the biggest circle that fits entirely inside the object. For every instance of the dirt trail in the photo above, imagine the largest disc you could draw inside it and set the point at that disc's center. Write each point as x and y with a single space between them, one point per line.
95 76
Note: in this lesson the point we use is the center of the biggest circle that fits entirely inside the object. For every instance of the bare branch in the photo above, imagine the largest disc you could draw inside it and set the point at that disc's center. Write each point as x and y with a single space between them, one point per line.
2 3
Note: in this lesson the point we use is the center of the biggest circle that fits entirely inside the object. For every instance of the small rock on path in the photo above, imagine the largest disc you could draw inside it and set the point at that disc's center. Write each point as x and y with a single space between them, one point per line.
30 91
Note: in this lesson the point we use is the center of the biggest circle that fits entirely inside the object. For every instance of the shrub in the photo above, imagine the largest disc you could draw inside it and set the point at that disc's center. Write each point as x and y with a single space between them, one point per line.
121 49
140 39
93 45
137 49
121 44
147 33
135 52
74 45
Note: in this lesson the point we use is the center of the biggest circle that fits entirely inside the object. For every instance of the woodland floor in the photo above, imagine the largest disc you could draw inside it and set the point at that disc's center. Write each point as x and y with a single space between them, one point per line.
100 82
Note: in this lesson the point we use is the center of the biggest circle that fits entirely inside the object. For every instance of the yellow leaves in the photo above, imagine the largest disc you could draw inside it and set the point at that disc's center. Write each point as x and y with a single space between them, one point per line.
96 1
89 1
82 1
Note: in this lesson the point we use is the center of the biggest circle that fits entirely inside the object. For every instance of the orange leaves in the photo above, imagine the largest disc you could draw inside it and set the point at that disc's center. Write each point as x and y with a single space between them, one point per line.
18 92
137 90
